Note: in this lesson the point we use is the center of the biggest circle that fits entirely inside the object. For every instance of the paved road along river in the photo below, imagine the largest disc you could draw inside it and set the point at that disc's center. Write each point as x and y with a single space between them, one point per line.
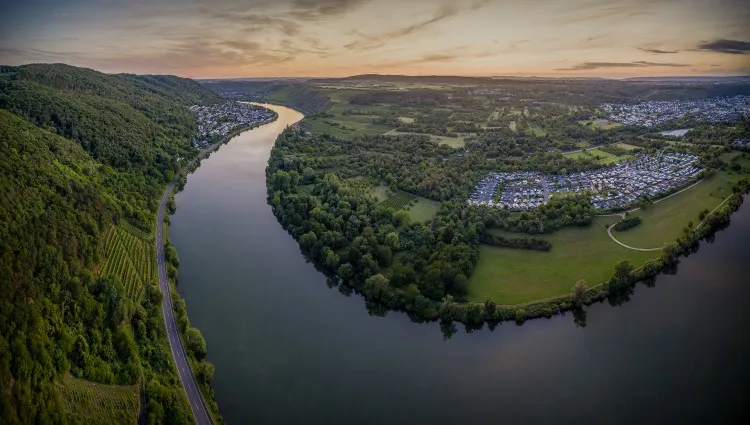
289 350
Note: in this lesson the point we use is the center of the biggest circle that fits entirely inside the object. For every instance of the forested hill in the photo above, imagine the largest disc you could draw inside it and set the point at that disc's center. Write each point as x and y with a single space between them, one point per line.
84 158
297 95
137 124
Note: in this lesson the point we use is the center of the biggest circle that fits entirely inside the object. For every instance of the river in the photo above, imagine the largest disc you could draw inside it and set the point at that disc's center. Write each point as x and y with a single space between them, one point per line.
289 350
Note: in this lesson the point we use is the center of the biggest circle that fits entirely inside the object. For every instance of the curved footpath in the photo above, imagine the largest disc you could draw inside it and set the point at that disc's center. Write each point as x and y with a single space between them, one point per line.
197 407
200 413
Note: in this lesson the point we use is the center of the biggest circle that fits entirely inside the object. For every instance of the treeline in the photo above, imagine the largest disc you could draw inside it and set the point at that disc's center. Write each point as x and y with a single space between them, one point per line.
83 151
627 223
516 243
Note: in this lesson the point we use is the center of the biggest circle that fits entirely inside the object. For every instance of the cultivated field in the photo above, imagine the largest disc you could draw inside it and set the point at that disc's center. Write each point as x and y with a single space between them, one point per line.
129 254
93 403
602 124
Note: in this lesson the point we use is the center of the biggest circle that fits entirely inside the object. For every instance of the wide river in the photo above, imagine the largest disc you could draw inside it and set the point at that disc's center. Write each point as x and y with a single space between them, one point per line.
289 350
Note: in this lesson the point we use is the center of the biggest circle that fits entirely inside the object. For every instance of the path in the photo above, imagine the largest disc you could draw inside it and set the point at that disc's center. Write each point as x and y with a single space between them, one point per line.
609 228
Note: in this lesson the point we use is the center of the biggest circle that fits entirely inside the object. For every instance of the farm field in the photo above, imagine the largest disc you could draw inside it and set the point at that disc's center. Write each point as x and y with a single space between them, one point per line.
663 221
130 257
597 154
399 201
93 403
420 209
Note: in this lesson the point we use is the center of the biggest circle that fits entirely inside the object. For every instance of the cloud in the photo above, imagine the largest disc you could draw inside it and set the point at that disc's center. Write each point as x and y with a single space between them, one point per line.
445 12
586 66
313 10
734 47
658 51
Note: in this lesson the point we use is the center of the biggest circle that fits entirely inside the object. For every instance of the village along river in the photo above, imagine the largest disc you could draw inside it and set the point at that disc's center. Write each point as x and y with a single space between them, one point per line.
289 350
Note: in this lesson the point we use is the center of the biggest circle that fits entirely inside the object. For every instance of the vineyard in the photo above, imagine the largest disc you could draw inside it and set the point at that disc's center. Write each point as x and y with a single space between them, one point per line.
93 403
399 201
129 254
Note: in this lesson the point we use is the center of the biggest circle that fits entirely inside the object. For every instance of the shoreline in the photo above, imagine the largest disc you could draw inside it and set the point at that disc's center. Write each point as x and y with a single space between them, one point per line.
169 285
473 313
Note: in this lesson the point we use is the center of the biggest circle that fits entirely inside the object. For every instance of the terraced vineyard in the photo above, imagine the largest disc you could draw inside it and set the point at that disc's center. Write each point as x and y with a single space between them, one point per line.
93 403
399 201
129 254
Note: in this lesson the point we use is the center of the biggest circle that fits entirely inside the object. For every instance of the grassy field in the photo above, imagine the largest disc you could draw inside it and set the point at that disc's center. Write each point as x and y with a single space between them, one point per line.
601 124
424 209
129 254
420 209
512 125
596 154
626 146
93 403
512 276
537 130
663 221
407 120
455 142
380 192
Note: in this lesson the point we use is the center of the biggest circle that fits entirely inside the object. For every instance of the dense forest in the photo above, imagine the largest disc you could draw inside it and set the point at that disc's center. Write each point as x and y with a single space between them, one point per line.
83 151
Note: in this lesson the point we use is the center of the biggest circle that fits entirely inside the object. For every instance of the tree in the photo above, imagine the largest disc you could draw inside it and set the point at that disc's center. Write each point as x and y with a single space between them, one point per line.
401 218
196 343
579 290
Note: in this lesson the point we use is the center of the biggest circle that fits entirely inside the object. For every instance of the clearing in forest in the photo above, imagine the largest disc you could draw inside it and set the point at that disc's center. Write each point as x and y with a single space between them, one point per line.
129 255
92 403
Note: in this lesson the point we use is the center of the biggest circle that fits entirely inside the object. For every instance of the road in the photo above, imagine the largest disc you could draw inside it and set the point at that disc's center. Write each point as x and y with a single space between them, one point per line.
198 408
200 413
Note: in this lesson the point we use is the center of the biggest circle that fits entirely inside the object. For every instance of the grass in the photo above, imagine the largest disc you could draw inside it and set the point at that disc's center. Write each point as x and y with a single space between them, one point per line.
513 276
512 125
537 130
598 155
455 142
93 403
601 124
420 209
664 221
407 120
424 209
626 146
129 255
380 192
510 276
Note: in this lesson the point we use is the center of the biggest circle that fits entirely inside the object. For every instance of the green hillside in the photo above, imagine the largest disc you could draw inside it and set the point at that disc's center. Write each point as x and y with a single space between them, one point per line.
82 155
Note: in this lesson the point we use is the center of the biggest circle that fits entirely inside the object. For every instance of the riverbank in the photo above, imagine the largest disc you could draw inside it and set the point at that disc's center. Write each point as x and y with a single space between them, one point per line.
188 363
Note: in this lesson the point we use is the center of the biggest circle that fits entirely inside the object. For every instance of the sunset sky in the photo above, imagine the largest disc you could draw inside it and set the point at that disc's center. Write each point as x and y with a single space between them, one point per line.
235 38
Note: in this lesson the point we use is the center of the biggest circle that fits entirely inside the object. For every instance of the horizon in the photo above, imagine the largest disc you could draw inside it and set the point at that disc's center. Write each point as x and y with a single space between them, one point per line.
234 39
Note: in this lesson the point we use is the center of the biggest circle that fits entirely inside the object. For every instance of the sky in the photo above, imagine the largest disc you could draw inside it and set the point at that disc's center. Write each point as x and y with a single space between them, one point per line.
331 38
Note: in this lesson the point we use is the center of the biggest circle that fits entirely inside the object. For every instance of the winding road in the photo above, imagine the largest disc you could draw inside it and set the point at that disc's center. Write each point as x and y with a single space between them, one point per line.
200 413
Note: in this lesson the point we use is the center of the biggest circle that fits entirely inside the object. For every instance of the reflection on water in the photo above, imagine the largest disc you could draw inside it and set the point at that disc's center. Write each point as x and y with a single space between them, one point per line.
291 347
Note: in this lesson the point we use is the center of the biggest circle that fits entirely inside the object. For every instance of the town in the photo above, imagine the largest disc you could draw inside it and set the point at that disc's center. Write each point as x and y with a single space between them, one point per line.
610 188
653 113
219 120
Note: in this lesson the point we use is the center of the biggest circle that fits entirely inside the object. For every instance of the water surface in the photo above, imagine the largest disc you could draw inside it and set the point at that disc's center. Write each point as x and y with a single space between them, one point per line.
289 350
